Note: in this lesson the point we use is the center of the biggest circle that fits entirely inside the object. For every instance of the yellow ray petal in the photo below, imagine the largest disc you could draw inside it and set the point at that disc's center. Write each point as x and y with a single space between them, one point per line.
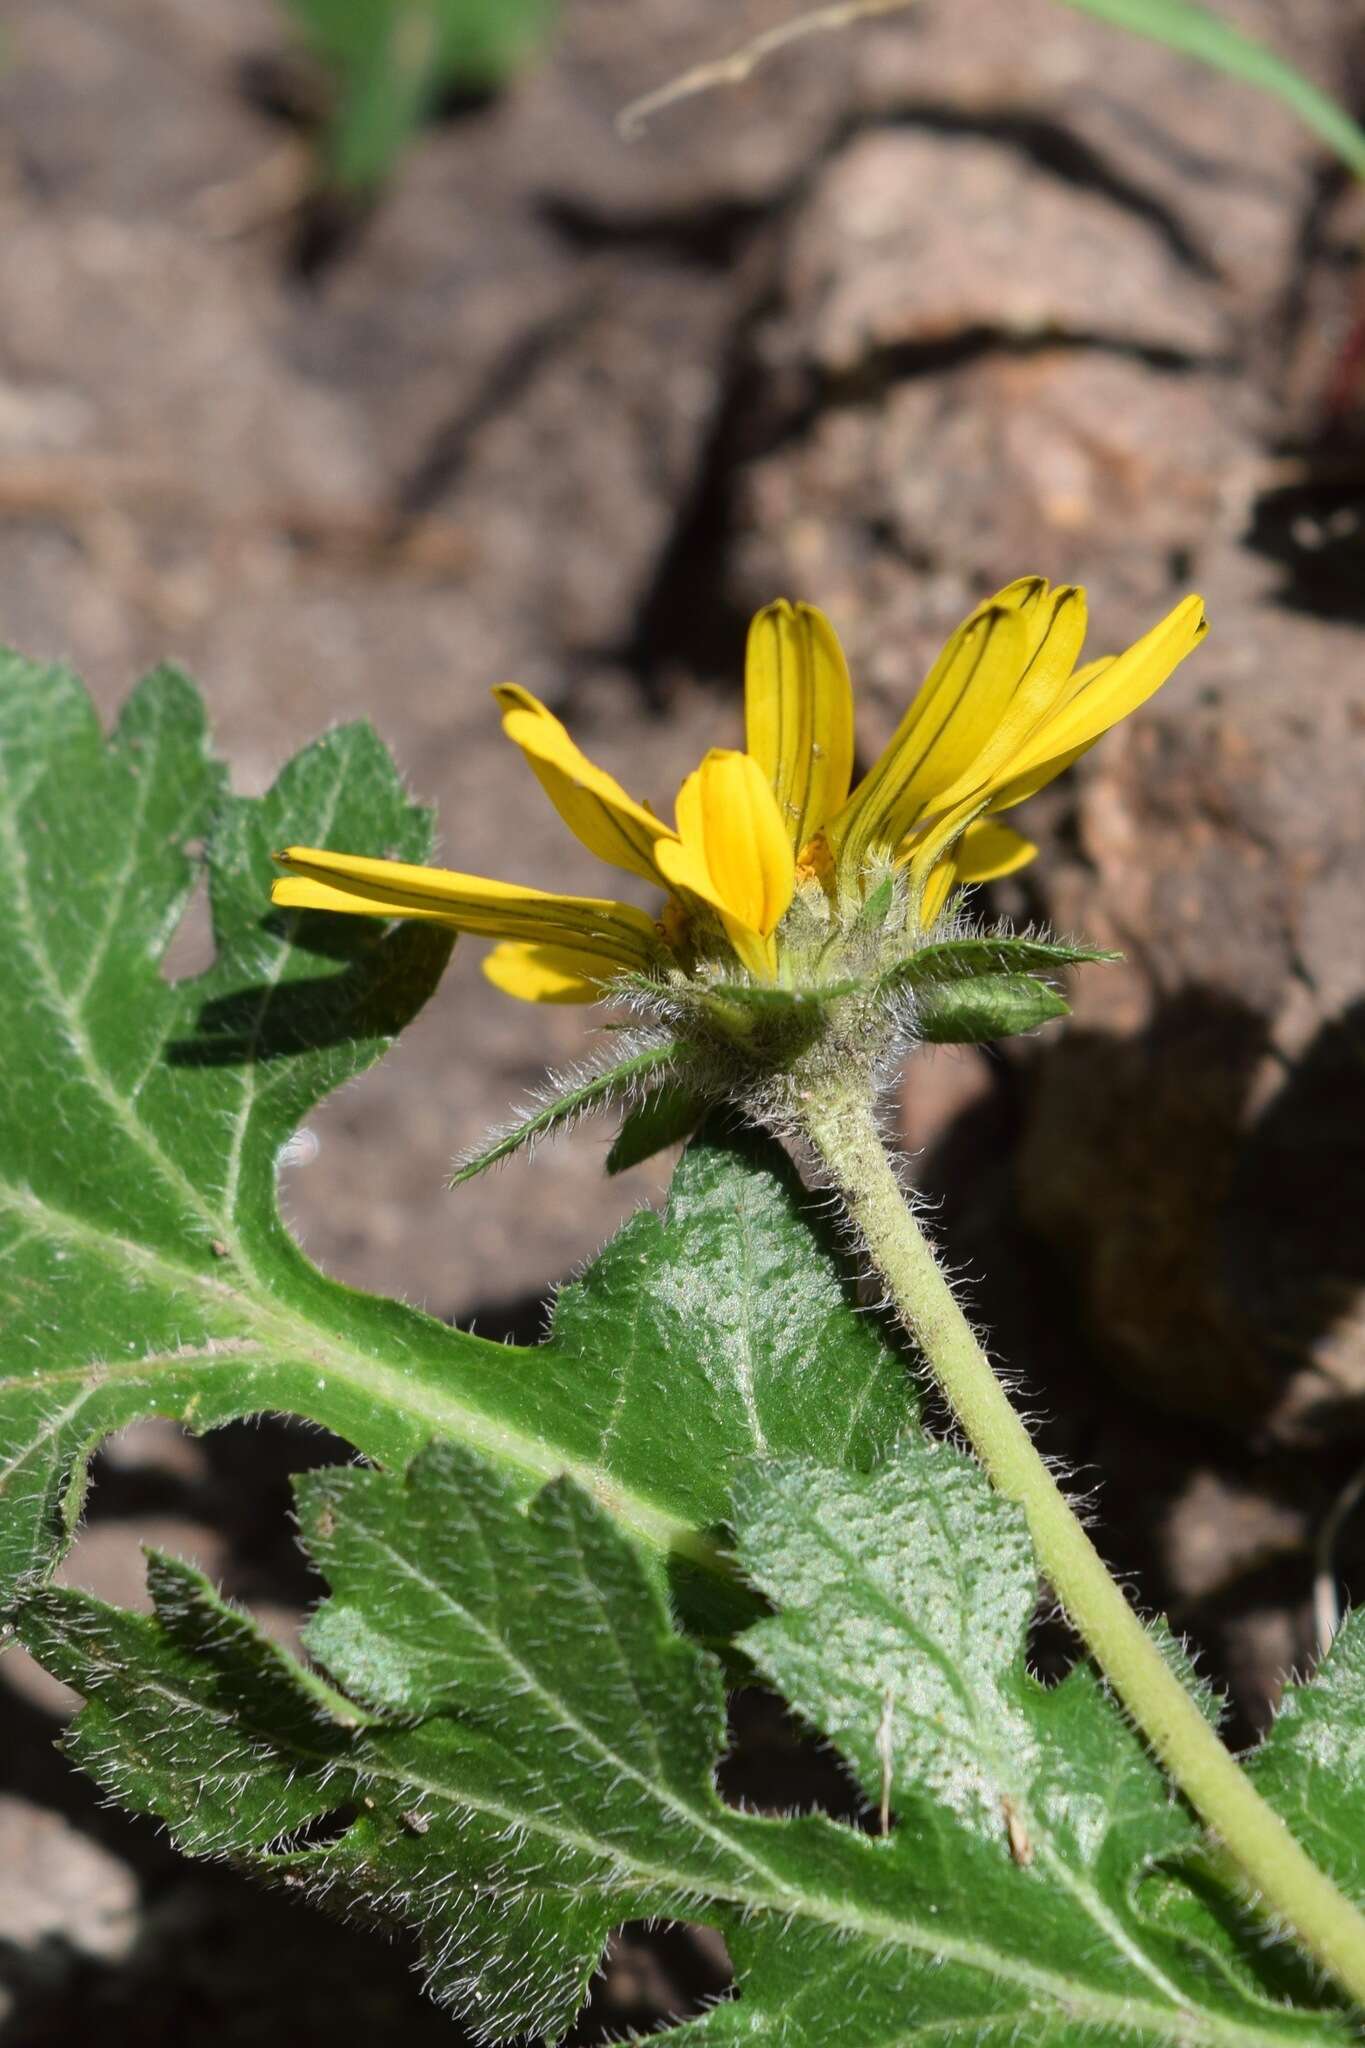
798 714
934 895
544 974
321 880
1096 698
971 798
759 954
735 852
1011 657
1006 793
986 851
592 803
1102 694
1003 701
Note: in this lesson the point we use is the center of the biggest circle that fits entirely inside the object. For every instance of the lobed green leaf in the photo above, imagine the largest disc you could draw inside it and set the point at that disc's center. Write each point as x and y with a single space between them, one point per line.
513 1750
1311 1766
144 1267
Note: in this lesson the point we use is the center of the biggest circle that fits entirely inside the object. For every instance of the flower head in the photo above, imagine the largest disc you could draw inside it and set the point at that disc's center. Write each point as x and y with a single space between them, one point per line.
776 870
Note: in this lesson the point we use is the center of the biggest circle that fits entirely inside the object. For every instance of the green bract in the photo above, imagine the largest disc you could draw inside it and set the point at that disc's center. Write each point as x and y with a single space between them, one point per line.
712 1041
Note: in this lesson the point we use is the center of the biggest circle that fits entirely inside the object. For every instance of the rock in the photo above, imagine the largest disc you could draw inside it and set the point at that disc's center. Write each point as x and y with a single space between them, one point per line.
1219 173
915 239
901 509
942 1084
1196 1150
1218 1529
59 1886
964 388
157 1446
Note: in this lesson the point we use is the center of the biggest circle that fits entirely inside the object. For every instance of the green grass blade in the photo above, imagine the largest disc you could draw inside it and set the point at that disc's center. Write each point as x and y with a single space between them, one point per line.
1197 33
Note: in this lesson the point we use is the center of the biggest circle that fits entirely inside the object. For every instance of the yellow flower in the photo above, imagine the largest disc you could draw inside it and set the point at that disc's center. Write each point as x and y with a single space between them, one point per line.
1003 710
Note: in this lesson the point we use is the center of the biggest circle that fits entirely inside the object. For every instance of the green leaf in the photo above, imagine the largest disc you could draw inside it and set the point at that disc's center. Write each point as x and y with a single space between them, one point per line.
982 986
1317 1741
1197 32
988 1006
665 1117
240 1790
144 1267
514 1751
1023 1805
1311 1769
594 1091
394 59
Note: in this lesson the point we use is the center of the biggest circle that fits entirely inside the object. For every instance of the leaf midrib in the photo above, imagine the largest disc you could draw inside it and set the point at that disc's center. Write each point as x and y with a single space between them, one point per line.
70 1013
1182 2024
287 1337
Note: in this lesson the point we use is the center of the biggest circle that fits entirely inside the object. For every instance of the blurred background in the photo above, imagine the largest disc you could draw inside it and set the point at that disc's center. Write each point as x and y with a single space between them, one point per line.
359 379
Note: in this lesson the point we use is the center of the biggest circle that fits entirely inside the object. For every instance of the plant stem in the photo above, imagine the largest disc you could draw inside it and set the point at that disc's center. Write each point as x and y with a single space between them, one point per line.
844 1133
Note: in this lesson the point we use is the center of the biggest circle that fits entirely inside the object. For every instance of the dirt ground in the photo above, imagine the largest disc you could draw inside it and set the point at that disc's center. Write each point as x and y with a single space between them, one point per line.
982 290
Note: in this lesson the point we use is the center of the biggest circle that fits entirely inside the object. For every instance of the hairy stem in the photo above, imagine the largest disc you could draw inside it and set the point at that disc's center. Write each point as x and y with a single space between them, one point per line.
844 1133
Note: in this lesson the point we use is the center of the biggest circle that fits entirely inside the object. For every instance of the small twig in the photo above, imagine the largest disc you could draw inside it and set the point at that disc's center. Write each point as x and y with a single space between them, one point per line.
733 70
1326 1599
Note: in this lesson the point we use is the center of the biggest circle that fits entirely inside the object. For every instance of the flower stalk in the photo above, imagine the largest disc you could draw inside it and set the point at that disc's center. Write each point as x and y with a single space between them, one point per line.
841 1127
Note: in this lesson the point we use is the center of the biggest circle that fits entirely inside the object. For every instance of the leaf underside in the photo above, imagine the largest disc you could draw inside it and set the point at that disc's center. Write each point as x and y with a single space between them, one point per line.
987 1007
